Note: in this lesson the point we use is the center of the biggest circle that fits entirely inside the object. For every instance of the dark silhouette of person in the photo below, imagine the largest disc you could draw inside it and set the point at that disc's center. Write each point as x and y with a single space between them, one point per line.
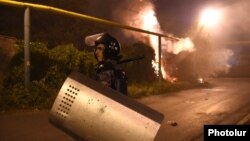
108 73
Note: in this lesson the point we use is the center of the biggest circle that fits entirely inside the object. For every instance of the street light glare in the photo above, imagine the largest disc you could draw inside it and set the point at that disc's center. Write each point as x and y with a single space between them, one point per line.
210 17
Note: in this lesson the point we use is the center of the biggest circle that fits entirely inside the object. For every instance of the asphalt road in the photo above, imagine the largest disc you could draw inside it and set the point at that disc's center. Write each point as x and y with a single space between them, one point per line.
228 102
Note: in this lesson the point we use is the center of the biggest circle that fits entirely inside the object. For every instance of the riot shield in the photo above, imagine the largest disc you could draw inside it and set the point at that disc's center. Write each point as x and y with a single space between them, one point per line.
87 110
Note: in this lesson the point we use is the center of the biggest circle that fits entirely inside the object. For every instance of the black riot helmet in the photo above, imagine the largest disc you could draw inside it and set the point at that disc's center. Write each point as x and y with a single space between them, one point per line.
112 46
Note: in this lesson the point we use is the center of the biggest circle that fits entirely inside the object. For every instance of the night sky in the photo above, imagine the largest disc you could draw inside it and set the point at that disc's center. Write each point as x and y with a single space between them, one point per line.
185 13
178 17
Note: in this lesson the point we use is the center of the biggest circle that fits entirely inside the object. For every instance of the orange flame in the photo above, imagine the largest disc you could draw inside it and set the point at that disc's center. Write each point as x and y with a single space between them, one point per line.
147 20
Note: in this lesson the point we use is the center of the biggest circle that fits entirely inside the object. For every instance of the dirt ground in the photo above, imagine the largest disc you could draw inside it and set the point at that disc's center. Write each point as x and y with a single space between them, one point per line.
29 125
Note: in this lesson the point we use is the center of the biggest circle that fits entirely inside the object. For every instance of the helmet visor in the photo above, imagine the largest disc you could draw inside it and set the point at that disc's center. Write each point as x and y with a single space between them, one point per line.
90 40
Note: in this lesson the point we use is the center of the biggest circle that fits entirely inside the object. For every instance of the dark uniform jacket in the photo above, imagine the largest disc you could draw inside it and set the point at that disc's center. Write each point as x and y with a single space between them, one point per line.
109 74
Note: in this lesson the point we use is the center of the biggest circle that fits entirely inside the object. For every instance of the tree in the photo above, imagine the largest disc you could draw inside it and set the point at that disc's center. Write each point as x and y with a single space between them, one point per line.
141 70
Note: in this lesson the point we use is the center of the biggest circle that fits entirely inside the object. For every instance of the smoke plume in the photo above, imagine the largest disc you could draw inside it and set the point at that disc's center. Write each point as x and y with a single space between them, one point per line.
216 48
188 57
141 14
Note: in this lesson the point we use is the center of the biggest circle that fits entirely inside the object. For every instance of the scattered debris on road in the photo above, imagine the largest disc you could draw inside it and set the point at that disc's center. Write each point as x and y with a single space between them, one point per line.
172 123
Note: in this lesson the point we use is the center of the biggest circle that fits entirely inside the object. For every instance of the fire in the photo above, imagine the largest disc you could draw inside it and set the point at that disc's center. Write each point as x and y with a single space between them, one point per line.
183 45
146 19
149 16
149 21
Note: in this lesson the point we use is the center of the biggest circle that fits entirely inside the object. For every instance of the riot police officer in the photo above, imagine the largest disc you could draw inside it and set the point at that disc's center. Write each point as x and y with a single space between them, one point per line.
108 73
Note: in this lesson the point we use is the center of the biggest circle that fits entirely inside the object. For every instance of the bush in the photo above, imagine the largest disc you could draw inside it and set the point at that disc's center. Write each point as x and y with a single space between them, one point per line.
137 90
49 69
141 70
37 96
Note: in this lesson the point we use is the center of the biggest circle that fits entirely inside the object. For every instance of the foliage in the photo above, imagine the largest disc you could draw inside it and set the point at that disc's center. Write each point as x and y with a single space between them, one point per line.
140 70
139 90
37 96
49 68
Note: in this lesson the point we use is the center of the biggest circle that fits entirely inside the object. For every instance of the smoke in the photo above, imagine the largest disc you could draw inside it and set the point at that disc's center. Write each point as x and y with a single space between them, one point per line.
184 44
235 24
141 14
209 59
238 16
135 13
212 57
186 57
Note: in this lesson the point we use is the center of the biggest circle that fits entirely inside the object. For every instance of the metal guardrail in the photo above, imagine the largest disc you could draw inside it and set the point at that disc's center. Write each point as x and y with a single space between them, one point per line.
82 16
76 15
